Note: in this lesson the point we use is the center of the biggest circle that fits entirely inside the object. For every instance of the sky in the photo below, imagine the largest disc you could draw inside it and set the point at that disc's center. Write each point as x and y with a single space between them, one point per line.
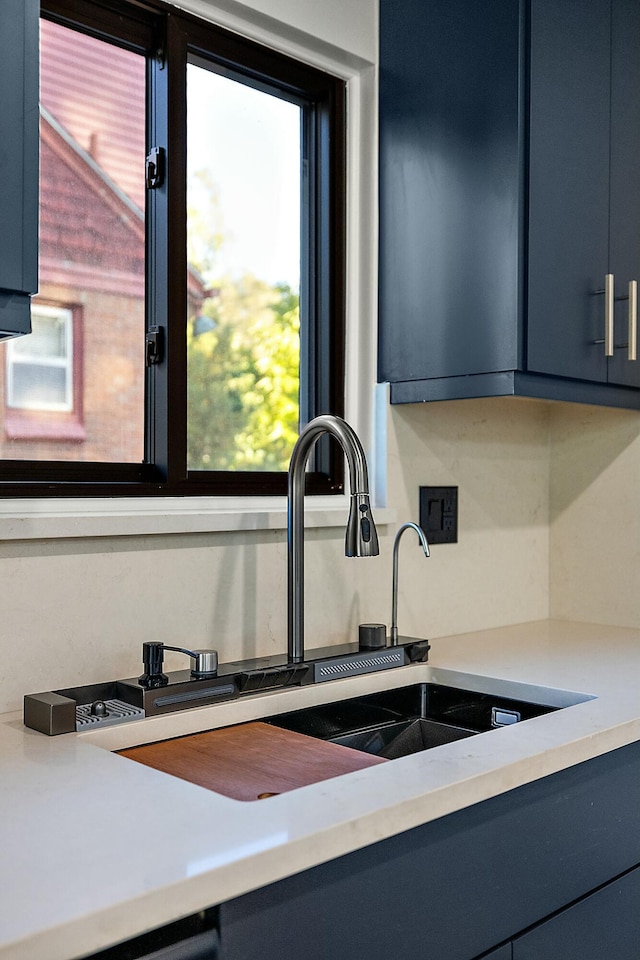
249 142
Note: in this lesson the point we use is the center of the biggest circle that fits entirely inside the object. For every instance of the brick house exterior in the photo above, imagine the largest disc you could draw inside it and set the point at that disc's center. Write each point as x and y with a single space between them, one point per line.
92 255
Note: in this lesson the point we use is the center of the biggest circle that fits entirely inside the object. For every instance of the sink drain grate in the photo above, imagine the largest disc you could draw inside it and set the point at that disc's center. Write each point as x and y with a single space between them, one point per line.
357 664
117 712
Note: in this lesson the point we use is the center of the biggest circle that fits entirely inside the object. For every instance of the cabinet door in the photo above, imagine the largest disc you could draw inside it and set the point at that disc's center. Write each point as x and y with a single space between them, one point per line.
449 188
201 946
502 953
625 177
605 924
568 186
18 162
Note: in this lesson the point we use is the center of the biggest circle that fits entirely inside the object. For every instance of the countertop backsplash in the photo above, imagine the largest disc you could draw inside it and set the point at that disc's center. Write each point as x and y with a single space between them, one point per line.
78 610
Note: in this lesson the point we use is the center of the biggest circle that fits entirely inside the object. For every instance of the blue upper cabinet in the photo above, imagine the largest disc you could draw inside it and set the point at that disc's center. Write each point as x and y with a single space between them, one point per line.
509 190
19 70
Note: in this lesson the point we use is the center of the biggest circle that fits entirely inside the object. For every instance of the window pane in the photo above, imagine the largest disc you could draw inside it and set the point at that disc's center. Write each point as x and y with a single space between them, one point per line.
49 338
39 387
244 188
40 366
92 254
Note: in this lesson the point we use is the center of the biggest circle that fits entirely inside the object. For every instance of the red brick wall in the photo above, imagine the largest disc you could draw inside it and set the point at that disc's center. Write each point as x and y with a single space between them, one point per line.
109 346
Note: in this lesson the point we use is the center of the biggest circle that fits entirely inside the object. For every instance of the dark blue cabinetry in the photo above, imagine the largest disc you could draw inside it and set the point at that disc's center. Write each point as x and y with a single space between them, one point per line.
502 953
477 881
547 871
604 924
19 71
509 189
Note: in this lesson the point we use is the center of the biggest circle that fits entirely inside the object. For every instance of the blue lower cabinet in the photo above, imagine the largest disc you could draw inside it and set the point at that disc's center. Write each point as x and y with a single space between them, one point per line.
455 888
549 871
604 924
184 940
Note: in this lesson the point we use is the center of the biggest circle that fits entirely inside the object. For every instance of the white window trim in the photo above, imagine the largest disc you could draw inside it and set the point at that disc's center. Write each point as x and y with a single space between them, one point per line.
71 519
365 402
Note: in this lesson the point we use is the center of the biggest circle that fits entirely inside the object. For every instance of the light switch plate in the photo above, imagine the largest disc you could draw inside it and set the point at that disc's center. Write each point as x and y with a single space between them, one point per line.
439 513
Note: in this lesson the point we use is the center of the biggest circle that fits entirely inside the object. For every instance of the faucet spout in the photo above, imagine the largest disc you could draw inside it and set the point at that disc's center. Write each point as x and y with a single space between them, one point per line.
361 539
393 636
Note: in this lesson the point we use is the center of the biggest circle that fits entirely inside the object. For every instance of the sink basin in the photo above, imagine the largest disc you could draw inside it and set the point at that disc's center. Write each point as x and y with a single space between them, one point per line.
406 720
255 759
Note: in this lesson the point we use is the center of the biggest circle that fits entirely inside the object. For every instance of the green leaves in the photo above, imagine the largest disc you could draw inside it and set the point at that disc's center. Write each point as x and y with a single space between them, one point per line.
243 379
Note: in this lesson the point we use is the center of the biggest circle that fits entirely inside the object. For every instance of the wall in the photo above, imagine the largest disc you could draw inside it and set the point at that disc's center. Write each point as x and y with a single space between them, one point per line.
497 452
595 515
77 610
351 27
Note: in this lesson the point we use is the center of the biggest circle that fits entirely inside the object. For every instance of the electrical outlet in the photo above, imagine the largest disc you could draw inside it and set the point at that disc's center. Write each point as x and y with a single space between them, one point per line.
439 513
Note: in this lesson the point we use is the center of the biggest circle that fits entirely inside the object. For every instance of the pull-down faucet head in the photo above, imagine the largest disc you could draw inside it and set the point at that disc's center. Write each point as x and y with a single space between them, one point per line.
361 539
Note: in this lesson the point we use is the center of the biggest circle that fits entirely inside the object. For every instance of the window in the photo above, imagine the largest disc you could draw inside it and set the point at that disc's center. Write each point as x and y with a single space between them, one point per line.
245 415
191 308
43 402
40 367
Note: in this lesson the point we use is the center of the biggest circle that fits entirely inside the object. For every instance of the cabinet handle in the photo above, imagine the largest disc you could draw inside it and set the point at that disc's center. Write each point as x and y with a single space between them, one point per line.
609 299
608 314
633 320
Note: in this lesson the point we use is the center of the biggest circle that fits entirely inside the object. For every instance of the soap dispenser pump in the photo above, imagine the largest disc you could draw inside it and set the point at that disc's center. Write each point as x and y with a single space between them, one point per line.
204 666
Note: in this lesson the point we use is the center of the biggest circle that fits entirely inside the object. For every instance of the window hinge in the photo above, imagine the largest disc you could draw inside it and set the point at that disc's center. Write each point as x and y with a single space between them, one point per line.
154 168
154 345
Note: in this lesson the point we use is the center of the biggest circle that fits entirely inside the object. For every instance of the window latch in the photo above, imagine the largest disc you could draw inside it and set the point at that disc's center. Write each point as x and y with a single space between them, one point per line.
154 346
154 168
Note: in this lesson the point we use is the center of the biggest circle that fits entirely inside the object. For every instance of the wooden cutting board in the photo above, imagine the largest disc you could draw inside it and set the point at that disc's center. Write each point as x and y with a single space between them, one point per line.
251 761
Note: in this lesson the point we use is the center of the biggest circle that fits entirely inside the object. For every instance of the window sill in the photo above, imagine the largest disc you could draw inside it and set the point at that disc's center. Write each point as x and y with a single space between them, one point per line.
68 519
40 425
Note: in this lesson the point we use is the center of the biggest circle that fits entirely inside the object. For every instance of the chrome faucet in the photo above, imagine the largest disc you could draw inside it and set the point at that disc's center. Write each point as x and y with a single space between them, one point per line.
394 593
361 539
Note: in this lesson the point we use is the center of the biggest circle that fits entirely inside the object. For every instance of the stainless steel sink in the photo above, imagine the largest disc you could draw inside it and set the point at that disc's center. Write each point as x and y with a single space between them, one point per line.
406 720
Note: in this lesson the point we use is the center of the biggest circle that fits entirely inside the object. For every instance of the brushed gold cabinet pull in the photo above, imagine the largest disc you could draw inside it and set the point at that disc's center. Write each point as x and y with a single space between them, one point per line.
633 320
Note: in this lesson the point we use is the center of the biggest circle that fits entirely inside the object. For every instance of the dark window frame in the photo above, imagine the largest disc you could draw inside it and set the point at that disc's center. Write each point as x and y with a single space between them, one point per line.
168 37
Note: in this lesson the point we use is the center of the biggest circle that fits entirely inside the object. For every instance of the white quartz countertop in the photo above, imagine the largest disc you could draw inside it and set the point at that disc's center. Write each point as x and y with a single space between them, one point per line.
97 848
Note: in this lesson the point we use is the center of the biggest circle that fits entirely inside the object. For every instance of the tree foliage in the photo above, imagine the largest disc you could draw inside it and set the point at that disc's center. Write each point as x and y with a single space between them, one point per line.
243 378
243 374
